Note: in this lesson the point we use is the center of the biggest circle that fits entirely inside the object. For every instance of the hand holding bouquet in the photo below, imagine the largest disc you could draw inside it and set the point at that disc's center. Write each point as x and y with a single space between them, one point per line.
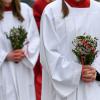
17 38
85 49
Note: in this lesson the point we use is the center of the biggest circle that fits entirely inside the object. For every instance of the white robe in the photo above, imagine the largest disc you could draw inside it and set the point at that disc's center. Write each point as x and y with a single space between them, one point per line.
17 80
61 70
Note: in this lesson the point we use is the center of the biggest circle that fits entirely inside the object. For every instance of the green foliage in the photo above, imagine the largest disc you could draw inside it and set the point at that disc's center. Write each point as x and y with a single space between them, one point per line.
17 37
85 49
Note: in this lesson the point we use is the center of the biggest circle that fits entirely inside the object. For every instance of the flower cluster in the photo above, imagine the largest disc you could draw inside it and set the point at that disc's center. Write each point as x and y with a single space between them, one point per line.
85 49
17 37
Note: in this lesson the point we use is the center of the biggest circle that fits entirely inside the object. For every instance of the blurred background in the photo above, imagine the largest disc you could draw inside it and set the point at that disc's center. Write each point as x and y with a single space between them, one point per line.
29 2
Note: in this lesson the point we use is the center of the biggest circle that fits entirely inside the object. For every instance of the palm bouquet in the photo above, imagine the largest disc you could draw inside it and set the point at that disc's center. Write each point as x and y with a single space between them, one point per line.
85 49
17 37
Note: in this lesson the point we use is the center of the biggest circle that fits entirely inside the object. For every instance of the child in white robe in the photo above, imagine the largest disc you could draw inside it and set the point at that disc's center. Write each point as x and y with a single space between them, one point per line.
62 73
17 79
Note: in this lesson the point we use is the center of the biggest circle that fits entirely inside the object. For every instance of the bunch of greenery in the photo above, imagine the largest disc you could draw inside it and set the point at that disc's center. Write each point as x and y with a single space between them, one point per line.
17 37
85 49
